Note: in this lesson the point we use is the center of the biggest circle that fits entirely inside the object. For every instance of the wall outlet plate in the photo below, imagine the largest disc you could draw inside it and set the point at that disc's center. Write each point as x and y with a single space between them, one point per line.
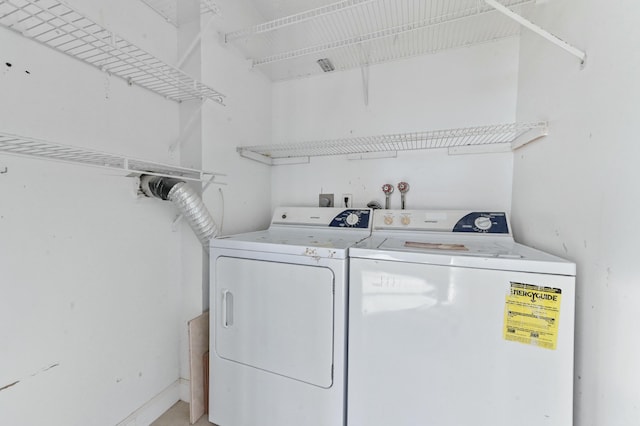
325 200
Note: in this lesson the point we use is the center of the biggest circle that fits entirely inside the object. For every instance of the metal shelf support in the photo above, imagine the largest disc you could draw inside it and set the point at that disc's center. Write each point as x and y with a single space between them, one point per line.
538 30
530 136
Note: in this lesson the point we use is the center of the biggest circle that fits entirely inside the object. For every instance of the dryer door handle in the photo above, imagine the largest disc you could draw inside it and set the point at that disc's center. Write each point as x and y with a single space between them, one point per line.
227 308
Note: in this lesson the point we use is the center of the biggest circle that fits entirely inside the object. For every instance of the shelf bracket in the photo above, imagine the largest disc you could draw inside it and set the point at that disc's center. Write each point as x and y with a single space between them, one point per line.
538 30
264 159
529 136
256 157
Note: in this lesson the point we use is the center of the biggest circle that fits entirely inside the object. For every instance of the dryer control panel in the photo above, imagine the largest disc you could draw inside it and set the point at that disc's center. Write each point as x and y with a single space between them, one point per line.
352 218
334 218
442 221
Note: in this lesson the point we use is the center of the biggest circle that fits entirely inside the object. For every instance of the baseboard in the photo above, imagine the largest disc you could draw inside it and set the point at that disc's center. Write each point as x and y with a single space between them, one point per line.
156 406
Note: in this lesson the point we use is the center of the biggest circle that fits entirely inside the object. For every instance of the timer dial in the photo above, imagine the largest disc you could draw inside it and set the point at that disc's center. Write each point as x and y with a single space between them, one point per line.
483 223
405 220
352 219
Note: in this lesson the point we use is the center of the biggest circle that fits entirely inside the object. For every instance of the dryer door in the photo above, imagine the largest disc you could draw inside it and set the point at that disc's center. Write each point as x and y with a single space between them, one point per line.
276 317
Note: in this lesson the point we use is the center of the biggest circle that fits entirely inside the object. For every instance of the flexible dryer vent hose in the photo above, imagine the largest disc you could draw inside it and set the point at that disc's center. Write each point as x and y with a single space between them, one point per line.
188 202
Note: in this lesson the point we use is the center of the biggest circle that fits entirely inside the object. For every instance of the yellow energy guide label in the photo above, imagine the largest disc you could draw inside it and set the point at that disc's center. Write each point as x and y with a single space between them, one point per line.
531 315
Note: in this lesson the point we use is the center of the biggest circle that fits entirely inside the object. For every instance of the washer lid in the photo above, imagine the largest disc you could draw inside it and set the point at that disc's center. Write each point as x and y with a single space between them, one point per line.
484 253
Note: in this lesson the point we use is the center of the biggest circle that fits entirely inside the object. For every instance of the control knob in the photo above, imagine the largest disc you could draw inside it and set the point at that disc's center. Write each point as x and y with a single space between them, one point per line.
483 223
352 219
388 220
405 220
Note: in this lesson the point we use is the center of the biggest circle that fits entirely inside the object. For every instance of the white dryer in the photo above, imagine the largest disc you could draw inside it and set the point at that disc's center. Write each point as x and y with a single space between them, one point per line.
452 323
278 321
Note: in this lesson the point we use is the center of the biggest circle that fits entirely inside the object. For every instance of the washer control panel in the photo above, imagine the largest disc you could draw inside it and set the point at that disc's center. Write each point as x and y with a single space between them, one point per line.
483 222
442 221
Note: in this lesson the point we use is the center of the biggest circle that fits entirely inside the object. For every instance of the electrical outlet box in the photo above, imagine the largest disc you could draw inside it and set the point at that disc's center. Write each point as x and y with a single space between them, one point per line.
347 200
325 200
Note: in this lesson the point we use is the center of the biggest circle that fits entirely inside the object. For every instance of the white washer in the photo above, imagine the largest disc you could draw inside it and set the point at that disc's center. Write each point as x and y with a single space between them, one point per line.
452 323
278 322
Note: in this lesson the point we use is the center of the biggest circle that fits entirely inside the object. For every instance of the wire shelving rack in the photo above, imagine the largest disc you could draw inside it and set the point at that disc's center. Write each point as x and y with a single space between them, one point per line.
353 33
58 26
511 136
34 148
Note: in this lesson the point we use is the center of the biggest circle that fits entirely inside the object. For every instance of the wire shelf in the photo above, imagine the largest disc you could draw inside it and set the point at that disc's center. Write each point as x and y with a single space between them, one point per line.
516 134
352 33
168 9
34 148
57 25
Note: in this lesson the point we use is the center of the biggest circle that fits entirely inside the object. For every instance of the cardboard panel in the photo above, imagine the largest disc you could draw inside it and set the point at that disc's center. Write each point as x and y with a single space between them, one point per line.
198 346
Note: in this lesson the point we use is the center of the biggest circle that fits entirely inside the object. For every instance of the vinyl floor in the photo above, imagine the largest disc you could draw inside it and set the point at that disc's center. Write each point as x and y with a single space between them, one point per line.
178 415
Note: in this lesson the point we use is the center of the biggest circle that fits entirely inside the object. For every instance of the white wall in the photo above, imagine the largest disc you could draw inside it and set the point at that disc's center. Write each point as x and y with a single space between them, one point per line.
89 279
459 88
575 193
245 119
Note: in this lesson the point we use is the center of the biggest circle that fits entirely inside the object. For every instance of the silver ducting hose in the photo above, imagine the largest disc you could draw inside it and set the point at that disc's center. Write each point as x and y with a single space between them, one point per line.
188 202
191 206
